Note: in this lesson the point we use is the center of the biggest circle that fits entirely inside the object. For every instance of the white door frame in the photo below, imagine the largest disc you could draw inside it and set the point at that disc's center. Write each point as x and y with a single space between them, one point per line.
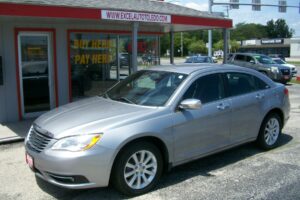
50 71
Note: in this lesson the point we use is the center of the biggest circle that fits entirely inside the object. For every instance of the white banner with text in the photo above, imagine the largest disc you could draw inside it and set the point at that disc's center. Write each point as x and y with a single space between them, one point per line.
135 16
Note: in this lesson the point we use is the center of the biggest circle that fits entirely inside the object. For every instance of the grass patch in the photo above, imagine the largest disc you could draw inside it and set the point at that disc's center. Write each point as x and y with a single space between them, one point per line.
294 81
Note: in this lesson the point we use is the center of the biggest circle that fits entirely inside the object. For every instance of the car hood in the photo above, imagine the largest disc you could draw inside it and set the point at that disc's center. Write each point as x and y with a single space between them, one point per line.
289 65
277 65
82 116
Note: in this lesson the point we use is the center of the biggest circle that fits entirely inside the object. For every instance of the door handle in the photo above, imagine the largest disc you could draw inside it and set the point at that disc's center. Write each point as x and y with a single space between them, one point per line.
223 106
259 96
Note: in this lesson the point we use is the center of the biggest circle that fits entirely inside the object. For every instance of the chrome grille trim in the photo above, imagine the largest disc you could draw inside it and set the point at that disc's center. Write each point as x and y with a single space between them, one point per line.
37 141
285 71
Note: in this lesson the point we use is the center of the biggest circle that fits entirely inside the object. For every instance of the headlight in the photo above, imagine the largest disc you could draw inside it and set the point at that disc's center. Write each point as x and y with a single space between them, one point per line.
28 134
77 143
275 69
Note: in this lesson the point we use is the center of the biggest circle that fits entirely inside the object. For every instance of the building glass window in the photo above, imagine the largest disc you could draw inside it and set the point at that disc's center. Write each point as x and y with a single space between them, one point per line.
94 56
93 63
147 53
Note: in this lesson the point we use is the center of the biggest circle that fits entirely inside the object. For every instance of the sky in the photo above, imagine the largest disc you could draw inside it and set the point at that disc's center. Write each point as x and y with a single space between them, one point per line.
245 13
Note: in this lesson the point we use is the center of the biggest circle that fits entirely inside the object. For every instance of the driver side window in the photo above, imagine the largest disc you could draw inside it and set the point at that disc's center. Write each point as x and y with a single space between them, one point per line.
207 89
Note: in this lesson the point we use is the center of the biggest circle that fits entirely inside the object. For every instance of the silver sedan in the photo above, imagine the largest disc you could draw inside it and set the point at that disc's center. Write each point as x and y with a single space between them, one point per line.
154 120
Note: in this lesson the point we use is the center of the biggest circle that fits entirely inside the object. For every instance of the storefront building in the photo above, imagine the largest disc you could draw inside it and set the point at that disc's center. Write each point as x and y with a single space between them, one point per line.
279 46
55 52
295 47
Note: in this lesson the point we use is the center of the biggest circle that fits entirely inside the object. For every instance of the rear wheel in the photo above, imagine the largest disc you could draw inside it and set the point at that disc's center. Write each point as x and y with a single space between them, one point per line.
137 169
270 131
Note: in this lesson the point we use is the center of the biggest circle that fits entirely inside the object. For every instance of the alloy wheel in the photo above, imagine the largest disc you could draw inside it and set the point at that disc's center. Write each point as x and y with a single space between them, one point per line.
272 131
140 169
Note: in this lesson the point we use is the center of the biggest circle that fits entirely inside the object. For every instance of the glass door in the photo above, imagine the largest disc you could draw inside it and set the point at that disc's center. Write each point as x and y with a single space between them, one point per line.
35 72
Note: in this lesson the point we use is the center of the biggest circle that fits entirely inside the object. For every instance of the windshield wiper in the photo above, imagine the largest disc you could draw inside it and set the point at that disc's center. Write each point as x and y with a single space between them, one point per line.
124 99
105 95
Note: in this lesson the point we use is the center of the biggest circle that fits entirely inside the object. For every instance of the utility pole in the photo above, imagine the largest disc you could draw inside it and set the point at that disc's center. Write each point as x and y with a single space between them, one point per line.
210 4
181 41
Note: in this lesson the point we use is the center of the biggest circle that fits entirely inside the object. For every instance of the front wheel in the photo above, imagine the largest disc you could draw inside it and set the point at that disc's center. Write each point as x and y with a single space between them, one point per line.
137 169
270 131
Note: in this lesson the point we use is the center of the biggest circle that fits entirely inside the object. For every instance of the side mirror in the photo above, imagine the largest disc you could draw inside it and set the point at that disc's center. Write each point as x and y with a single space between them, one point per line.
190 104
252 62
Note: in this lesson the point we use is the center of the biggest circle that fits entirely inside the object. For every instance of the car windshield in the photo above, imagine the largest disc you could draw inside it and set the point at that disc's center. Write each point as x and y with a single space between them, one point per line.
279 61
189 60
201 60
149 88
265 60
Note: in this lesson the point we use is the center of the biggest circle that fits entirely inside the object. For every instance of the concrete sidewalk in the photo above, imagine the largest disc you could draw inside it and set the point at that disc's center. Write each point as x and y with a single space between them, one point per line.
16 131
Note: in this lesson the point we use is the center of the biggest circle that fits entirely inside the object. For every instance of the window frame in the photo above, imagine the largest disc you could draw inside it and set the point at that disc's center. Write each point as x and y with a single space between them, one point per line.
227 88
220 74
239 60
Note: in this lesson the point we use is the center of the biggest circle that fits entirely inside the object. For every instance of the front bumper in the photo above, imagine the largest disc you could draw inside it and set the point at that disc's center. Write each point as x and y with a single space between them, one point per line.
74 170
281 77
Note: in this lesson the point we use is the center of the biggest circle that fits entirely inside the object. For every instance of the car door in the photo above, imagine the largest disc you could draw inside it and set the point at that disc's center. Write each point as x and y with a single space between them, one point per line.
239 60
200 131
250 63
246 105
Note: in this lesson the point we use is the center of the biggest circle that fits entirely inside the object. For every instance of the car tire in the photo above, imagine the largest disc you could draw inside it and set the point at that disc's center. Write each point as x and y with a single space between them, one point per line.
284 82
135 177
270 131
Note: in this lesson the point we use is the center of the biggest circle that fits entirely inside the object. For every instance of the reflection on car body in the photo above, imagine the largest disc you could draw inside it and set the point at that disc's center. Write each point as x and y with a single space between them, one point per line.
199 59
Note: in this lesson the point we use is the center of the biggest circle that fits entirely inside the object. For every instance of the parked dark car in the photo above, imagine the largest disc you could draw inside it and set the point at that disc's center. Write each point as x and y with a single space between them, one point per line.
283 63
199 59
124 60
263 64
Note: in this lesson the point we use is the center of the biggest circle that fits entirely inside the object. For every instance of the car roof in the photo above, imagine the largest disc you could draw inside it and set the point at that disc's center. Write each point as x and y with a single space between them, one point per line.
250 54
198 56
191 68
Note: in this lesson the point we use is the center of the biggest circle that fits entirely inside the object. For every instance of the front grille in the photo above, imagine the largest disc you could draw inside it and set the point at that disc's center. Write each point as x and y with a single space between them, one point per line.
285 72
37 141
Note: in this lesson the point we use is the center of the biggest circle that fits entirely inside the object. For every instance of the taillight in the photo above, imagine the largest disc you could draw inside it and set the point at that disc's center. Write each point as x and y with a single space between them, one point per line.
286 91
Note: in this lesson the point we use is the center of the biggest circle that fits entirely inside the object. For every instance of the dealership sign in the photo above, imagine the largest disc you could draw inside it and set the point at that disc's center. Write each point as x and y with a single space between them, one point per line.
272 41
135 16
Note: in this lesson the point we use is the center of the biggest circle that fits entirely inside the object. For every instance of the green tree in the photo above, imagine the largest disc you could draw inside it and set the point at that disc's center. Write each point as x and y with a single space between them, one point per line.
164 44
279 29
243 31
188 39
233 44
197 46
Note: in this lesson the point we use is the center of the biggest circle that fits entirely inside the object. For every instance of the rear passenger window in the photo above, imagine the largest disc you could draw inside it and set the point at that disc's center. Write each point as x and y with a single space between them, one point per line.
250 59
239 58
240 83
207 89
260 84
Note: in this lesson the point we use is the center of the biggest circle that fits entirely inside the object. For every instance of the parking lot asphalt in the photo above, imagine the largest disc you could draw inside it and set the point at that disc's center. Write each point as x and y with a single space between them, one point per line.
245 172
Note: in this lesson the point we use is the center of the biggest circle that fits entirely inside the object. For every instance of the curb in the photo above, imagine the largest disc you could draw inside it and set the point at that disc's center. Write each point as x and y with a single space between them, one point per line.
10 140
